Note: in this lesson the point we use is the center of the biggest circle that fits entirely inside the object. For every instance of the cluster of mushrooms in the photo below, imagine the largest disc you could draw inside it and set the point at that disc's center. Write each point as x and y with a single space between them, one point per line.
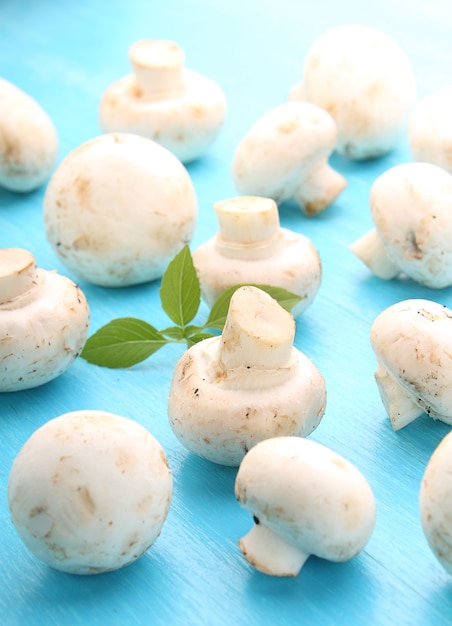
357 97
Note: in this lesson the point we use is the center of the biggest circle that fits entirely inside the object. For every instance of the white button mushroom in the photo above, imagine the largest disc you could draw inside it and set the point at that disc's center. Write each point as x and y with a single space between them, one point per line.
284 156
44 320
252 248
410 206
89 492
118 209
305 500
250 384
412 341
430 129
28 140
435 503
363 78
180 109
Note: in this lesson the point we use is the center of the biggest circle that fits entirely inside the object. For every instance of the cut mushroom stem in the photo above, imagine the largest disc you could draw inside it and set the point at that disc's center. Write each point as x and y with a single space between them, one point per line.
398 402
158 67
271 554
17 273
319 189
372 252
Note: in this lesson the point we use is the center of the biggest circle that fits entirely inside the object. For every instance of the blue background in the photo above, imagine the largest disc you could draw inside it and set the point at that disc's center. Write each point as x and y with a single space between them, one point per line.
65 55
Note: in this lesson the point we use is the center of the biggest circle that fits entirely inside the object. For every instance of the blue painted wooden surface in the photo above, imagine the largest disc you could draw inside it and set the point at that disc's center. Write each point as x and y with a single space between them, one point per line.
65 55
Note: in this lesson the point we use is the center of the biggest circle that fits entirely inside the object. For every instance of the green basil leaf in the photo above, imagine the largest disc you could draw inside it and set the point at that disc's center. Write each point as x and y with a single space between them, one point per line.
122 343
219 310
175 332
197 337
180 292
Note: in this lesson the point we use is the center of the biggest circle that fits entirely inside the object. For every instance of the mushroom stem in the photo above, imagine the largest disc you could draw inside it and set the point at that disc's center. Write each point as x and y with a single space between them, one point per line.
319 188
249 227
370 249
17 272
397 400
258 334
158 66
267 552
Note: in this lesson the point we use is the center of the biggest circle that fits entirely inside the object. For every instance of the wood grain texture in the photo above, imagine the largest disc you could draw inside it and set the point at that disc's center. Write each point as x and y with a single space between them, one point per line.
65 55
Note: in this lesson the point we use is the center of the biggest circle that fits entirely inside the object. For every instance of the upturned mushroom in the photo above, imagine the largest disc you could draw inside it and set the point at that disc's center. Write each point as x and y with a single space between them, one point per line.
249 384
284 156
410 205
305 500
364 79
435 503
44 320
28 140
430 129
178 108
412 341
89 492
118 208
252 248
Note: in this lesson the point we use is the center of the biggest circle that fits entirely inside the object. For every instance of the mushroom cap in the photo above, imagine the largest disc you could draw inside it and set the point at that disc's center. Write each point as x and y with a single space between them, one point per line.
364 79
308 495
435 502
252 248
178 108
89 492
44 324
28 140
430 129
220 421
410 206
281 150
412 339
118 208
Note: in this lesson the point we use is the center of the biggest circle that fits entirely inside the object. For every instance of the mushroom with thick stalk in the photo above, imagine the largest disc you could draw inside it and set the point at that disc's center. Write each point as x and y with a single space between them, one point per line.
249 384
412 341
284 156
435 503
252 248
44 320
178 108
89 492
305 500
118 208
430 129
410 205
28 140
364 79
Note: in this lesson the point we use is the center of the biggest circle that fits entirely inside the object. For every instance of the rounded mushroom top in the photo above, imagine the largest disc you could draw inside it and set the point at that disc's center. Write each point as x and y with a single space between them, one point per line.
17 272
413 340
364 79
308 495
430 129
281 149
410 206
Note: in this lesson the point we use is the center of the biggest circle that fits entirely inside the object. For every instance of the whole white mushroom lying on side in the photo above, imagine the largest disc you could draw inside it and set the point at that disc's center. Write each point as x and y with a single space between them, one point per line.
410 206
252 248
230 392
430 129
176 107
435 503
284 156
44 319
412 341
118 208
89 492
28 140
305 500
364 79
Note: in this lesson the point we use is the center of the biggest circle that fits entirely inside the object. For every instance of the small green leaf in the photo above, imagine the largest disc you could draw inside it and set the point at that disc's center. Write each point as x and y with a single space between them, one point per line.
180 292
122 343
197 337
175 332
219 310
